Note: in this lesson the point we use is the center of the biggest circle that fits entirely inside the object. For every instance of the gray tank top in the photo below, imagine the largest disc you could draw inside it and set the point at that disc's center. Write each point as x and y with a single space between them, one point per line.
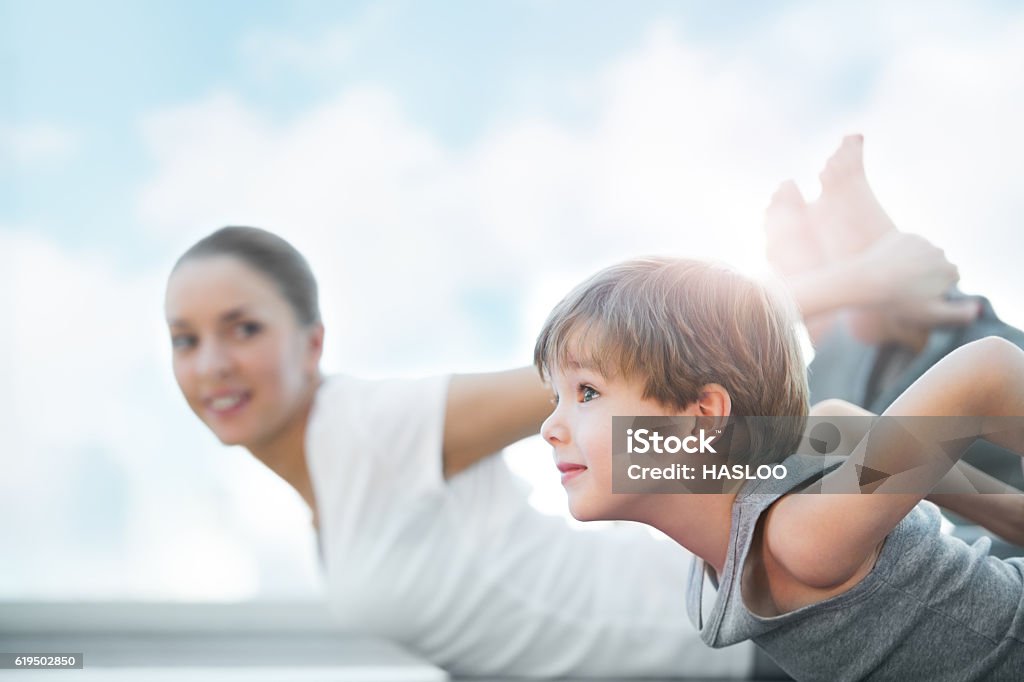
932 608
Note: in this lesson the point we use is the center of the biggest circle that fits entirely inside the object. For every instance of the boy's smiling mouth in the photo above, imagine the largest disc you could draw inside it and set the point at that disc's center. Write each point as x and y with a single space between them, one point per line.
570 470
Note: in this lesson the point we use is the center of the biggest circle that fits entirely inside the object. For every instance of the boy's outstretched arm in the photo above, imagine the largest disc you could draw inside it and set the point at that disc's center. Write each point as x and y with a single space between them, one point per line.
486 412
824 540
997 506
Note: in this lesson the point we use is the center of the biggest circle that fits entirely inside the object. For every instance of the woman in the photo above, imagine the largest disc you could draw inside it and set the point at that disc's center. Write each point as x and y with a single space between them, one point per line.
424 538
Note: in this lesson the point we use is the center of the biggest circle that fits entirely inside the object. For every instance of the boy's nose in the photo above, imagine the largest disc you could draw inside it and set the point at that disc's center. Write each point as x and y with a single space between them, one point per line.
553 430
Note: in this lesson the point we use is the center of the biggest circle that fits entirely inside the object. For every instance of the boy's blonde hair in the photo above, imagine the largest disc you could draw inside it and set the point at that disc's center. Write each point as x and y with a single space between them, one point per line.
679 324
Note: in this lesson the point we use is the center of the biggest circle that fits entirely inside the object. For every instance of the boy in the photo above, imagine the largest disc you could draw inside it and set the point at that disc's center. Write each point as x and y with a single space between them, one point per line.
832 586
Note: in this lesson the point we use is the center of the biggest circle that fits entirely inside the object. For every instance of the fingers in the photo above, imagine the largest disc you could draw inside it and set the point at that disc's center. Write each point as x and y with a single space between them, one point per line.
939 312
935 279
901 266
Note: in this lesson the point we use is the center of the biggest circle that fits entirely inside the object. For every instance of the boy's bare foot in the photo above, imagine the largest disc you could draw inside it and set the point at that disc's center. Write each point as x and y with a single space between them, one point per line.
849 221
847 214
790 244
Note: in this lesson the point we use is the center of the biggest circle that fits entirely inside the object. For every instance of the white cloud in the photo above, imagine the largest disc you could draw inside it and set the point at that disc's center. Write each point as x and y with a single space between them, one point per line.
685 145
405 229
35 145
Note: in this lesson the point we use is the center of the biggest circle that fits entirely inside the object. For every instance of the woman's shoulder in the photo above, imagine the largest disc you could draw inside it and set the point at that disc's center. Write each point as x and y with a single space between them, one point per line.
358 408
362 393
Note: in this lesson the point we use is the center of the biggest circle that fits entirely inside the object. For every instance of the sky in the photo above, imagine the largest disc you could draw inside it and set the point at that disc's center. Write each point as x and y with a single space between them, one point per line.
450 169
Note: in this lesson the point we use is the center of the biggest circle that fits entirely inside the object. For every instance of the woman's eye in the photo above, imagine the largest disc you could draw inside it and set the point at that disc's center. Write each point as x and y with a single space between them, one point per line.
587 393
247 329
182 341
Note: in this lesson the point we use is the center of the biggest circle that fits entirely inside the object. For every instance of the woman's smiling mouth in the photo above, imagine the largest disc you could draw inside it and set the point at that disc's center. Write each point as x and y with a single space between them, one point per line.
226 404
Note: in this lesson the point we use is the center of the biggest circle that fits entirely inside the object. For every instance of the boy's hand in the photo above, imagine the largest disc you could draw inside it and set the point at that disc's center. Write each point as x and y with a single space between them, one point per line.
1002 515
900 266
996 506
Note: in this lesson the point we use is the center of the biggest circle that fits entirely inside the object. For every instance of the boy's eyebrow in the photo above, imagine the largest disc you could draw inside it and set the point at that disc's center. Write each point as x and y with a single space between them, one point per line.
571 362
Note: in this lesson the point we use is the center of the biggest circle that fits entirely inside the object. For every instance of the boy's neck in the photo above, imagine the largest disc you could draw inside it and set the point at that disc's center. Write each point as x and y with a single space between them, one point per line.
699 522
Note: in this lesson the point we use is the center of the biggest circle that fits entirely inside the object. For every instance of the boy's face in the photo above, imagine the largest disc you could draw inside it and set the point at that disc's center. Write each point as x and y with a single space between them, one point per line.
580 429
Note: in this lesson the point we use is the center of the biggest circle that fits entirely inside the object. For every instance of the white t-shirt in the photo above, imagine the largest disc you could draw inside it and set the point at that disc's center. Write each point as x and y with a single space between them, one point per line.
466 572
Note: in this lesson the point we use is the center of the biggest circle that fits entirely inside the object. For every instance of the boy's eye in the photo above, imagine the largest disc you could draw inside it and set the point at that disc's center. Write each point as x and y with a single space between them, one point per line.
588 393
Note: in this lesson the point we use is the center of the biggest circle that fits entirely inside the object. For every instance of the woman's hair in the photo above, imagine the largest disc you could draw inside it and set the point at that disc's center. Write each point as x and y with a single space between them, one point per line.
676 325
270 255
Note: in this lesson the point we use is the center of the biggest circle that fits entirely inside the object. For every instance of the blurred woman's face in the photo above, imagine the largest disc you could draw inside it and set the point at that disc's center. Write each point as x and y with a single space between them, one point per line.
241 359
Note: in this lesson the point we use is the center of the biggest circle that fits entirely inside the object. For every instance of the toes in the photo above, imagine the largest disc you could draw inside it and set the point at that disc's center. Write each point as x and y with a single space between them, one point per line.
850 156
827 176
789 246
846 161
787 212
787 195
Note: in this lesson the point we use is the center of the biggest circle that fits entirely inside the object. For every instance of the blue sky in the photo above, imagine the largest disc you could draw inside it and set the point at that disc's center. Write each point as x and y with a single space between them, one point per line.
94 69
450 169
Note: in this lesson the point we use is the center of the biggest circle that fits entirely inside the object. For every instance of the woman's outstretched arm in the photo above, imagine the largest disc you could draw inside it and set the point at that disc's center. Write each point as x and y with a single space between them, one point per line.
487 412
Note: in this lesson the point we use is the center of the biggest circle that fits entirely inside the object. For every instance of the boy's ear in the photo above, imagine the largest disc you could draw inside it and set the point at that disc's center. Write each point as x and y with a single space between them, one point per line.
714 406
714 401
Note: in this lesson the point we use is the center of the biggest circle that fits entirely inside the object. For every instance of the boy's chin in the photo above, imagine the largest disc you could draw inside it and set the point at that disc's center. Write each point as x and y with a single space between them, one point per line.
587 511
